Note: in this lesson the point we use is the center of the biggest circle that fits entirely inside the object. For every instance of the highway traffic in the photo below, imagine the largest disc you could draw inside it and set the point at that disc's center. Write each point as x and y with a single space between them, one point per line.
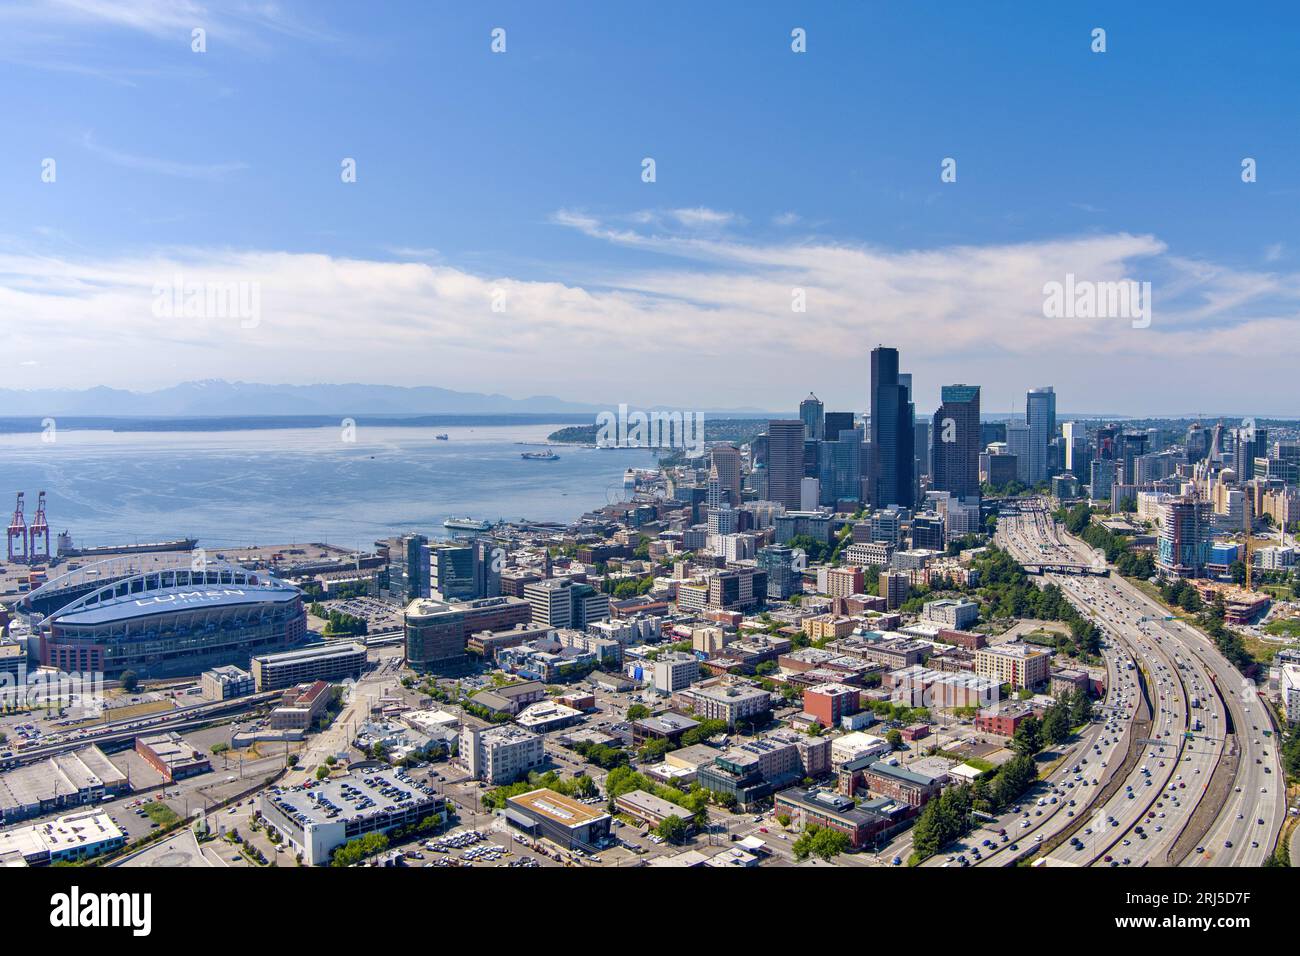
1188 795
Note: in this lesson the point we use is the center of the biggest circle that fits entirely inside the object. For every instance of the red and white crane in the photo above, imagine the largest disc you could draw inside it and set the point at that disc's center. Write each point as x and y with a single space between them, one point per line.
40 529
18 532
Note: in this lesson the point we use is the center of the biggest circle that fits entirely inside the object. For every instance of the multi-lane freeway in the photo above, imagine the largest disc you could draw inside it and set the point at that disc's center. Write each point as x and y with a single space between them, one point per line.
1202 780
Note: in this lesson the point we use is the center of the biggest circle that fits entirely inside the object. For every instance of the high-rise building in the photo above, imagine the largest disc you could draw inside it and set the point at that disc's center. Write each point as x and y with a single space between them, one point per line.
892 416
840 470
812 414
1251 443
726 459
836 422
1129 447
416 570
956 442
1040 416
1019 440
1077 458
784 461
1185 537
782 578
1101 479
1197 443
489 559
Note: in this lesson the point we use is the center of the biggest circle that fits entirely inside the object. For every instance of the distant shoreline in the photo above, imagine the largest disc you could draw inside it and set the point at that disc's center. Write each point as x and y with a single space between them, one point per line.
23 425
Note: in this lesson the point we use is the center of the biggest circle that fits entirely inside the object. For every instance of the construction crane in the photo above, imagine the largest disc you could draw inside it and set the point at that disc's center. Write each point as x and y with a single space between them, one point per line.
39 529
17 531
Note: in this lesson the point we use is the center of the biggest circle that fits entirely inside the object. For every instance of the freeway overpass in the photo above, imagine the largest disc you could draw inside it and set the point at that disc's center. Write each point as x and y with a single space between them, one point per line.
1055 567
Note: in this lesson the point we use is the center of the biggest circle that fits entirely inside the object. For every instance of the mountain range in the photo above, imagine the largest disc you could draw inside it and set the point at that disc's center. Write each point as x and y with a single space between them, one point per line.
216 397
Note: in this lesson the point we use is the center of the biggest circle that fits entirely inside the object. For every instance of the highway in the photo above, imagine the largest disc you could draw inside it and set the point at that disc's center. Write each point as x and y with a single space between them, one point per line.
1190 800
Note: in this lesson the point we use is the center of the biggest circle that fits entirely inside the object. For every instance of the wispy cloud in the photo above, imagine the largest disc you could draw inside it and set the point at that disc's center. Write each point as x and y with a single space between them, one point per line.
81 37
164 167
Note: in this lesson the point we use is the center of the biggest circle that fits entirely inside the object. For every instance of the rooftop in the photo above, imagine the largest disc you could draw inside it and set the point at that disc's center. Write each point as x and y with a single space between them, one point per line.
170 600
555 806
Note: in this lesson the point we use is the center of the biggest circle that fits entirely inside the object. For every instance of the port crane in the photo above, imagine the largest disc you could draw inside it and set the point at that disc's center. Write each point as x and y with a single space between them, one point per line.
40 530
17 532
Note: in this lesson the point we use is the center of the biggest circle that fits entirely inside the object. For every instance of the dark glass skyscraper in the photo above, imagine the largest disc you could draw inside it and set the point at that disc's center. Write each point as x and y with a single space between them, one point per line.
956 442
891 432
785 461
836 422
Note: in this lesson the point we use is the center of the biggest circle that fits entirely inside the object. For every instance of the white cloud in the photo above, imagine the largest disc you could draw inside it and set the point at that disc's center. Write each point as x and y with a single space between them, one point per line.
712 324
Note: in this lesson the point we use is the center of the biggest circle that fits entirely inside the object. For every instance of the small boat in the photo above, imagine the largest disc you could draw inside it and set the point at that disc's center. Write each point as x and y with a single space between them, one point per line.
442 437
547 455
466 524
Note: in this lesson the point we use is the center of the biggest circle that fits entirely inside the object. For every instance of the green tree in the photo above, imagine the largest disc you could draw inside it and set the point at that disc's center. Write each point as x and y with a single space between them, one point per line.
1028 738
673 829
822 842
130 681
1055 726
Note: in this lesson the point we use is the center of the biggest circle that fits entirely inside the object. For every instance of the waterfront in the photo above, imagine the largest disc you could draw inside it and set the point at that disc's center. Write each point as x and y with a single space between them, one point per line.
244 487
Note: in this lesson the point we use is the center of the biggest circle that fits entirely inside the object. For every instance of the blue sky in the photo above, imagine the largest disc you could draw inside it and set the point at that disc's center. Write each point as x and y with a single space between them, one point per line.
521 171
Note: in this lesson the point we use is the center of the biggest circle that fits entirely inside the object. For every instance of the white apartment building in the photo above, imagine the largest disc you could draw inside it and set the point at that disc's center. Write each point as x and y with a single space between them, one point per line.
500 755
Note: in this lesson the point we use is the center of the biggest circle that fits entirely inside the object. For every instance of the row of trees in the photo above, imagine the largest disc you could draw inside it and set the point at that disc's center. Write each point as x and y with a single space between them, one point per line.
1071 709
1131 564
580 787
948 815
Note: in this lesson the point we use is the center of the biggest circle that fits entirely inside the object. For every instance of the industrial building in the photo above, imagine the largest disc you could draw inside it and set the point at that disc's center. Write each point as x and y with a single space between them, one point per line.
65 780
171 756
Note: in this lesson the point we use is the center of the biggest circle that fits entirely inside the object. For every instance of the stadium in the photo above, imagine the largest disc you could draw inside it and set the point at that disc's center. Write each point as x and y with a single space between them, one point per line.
177 621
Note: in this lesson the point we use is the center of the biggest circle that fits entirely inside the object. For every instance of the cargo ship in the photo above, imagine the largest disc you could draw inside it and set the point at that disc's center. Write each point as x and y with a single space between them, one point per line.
547 455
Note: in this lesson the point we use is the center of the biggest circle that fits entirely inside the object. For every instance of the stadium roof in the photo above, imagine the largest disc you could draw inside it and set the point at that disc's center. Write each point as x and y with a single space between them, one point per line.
170 600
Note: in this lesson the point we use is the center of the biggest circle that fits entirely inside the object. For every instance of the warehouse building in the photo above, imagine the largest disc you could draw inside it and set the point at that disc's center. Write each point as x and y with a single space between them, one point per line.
171 756
64 780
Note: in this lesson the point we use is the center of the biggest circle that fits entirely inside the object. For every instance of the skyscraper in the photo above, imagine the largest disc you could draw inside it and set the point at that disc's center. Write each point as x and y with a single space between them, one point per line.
1019 439
956 442
840 467
892 416
1040 416
836 422
726 459
812 414
784 461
